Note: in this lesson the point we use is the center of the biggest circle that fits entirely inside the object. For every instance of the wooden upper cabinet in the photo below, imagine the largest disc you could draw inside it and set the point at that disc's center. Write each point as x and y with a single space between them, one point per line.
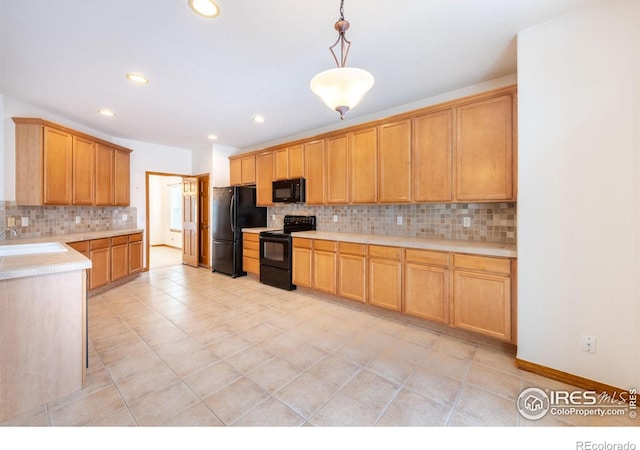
121 176
432 157
281 164
57 167
249 169
104 175
394 162
337 160
484 150
363 156
314 172
296 161
235 171
264 179
83 171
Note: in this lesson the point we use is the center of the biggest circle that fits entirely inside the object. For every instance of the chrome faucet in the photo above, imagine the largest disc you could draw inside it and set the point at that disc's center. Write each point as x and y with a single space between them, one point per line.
4 232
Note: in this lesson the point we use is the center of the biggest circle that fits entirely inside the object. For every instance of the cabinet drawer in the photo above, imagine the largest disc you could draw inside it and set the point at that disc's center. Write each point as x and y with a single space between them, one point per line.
427 257
250 245
353 249
119 240
250 237
137 237
379 251
483 264
99 243
302 243
81 247
327 246
250 265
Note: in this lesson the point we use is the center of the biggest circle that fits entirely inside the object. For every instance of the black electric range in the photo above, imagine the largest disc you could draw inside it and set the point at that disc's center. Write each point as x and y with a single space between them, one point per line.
276 252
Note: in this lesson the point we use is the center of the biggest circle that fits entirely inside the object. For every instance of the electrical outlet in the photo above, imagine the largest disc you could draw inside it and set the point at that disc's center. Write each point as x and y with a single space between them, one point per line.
273 217
335 218
399 220
24 221
588 344
11 222
125 217
78 219
466 222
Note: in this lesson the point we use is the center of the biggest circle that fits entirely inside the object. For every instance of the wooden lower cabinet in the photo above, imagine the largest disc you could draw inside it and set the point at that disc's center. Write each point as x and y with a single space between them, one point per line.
135 253
100 255
302 262
482 296
352 271
119 257
385 277
251 253
324 266
426 284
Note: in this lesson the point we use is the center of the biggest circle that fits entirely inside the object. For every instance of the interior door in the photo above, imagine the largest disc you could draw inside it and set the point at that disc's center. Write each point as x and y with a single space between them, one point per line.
190 247
203 203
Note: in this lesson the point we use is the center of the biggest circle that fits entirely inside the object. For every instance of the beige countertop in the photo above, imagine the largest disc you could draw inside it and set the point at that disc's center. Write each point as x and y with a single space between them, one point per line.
19 266
258 230
471 247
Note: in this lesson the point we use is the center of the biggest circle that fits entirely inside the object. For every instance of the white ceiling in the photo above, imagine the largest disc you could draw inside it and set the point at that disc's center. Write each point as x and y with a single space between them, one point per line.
70 57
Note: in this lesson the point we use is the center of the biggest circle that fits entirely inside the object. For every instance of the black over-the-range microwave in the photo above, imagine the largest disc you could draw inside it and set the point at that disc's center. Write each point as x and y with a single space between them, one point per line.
289 191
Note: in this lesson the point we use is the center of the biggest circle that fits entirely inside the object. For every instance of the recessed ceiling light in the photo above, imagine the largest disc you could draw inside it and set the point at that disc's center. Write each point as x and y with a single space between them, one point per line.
206 8
213 137
258 119
106 112
137 78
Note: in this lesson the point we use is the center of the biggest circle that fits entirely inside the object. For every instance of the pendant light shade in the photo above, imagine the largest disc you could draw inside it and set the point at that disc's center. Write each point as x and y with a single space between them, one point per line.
342 88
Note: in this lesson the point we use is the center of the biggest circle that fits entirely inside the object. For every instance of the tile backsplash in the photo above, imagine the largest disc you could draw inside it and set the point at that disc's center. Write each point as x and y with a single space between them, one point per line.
489 222
56 220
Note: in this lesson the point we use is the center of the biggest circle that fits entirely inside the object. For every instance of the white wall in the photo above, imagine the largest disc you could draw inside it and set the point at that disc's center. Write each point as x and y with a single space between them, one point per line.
220 165
579 193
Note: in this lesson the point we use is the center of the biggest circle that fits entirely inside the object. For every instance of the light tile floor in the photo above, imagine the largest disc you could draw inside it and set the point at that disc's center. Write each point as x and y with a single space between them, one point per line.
186 347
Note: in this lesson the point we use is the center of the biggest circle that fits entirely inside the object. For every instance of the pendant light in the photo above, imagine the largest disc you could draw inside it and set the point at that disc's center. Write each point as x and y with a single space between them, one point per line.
343 87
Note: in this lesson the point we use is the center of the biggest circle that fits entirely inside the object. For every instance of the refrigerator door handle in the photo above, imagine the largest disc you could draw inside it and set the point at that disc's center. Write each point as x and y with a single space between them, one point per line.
231 215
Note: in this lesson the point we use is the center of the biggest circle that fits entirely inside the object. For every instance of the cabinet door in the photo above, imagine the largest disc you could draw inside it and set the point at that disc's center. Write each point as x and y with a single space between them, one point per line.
482 303
363 156
57 160
394 162
352 277
83 171
281 164
104 175
264 179
337 160
484 150
296 161
324 271
135 253
427 292
121 176
302 266
119 261
249 169
314 172
99 274
432 157
385 283
235 172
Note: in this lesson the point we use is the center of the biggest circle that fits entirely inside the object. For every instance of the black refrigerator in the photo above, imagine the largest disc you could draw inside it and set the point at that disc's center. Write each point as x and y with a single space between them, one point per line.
233 208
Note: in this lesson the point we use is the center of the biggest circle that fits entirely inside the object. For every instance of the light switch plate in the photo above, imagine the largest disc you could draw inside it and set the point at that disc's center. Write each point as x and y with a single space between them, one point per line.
24 221
124 217
11 222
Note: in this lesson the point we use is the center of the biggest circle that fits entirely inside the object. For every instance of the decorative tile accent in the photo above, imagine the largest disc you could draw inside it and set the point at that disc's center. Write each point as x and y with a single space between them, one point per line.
56 220
489 222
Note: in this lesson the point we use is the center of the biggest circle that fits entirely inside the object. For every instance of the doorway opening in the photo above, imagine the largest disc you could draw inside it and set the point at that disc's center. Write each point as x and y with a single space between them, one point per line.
177 220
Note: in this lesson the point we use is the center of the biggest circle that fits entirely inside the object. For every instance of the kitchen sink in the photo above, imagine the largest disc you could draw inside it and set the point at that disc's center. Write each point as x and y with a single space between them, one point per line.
31 249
